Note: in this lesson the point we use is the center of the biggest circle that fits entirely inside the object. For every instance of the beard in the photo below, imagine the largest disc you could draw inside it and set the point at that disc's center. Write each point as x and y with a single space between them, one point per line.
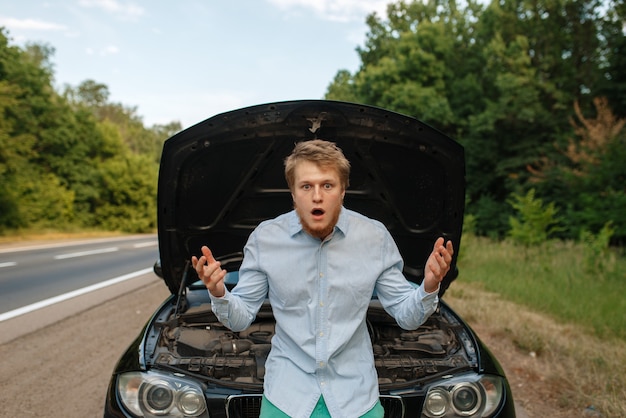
321 230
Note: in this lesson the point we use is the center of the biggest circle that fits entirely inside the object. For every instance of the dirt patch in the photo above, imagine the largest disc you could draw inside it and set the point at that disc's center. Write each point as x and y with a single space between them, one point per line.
531 389
555 370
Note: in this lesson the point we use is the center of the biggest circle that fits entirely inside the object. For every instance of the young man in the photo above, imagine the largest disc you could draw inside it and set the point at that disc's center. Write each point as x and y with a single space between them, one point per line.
319 264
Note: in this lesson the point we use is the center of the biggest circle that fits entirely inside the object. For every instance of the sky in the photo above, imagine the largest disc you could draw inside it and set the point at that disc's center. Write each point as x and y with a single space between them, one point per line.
187 60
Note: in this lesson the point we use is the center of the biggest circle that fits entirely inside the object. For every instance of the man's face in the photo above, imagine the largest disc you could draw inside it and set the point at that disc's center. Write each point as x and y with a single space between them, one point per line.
317 196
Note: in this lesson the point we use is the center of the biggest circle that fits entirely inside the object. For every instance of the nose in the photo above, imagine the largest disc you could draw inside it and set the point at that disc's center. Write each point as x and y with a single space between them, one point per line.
317 194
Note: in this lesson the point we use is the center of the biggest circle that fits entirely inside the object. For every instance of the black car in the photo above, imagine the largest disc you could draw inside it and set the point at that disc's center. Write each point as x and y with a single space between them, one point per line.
218 180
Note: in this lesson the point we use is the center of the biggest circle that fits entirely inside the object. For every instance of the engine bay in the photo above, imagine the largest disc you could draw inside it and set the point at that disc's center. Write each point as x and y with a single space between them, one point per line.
196 342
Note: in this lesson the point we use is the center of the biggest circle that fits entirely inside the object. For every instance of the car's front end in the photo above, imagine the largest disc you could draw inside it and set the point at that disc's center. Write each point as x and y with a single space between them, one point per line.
187 364
221 178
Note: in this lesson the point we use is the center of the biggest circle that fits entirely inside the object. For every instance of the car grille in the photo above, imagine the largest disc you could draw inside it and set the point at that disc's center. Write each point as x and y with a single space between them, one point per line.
243 406
249 406
394 407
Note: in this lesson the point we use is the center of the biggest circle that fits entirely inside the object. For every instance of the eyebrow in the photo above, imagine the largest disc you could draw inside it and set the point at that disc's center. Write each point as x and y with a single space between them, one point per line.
328 180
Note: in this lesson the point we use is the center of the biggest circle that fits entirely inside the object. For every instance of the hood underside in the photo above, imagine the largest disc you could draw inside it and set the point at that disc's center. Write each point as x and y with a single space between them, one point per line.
220 178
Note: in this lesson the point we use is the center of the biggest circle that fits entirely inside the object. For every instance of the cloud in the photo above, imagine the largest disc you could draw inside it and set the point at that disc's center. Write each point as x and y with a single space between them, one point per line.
107 50
30 24
336 10
110 50
123 10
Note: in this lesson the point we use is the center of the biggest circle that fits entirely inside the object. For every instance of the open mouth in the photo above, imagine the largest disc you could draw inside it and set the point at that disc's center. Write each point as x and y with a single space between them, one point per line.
317 212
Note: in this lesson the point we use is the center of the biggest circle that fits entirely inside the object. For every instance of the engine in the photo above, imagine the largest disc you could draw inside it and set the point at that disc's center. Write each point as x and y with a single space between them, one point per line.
195 342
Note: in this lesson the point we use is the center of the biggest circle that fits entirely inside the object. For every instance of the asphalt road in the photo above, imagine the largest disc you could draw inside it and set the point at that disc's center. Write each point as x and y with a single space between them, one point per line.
57 360
36 273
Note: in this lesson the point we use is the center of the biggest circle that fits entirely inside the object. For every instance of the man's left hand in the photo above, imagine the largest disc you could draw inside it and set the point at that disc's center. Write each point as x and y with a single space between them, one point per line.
437 265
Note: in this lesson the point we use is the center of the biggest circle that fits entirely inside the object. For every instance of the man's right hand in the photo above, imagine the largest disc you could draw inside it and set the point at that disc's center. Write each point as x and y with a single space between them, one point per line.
210 272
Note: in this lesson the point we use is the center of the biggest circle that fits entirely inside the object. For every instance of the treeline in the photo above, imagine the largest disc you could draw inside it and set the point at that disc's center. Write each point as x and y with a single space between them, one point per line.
534 90
72 159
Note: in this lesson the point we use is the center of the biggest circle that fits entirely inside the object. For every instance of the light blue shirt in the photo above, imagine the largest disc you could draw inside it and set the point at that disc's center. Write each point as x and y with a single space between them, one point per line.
320 292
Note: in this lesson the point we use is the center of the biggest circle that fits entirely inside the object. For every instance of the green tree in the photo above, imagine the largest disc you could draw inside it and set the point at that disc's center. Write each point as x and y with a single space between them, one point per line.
613 37
500 79
71 160
129 189
93 96
411 60
589 171
539 58
31 193
125 163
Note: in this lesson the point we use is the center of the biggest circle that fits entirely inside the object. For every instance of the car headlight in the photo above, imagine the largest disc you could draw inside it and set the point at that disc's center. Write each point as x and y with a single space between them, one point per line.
155 394
464 396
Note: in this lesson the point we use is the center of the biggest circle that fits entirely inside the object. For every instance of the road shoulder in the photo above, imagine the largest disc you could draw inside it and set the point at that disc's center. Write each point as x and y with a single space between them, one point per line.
62 367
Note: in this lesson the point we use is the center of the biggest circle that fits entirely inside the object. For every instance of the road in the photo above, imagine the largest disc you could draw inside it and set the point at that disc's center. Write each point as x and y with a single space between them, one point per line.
37 274
57 361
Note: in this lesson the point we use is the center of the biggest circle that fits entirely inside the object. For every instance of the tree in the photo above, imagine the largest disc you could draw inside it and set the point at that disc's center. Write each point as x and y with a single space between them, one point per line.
410 63
128 201
613 37
71 160
31 194
592 172
500 79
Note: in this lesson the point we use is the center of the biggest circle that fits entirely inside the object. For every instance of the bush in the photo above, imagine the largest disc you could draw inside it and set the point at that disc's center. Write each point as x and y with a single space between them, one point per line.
598 257
534 223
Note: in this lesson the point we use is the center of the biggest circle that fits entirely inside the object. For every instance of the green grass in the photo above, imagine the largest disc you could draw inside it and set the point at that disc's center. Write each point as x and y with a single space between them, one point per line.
561 310
556 278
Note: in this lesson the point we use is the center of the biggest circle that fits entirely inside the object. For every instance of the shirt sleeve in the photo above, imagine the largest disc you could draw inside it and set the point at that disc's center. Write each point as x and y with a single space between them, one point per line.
237 309
410 305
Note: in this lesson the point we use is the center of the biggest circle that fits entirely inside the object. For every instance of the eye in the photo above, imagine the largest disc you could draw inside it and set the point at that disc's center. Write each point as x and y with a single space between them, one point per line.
328 186
306 187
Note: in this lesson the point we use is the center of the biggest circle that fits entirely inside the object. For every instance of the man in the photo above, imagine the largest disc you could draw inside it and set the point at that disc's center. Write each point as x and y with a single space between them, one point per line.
319 265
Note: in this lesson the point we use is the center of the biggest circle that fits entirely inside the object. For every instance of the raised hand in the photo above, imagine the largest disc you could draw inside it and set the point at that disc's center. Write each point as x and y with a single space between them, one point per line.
210 272
437 265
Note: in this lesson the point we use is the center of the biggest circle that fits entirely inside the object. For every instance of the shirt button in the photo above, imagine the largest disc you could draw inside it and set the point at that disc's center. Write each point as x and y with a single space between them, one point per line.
321 364
321 274
321 303
321 334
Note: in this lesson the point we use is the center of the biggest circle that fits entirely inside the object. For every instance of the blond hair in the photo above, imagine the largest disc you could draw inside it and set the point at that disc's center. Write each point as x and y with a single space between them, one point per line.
325 154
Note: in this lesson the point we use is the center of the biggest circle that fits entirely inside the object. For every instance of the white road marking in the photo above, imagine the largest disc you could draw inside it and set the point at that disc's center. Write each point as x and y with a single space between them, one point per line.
64 244
8 264
56 299
145 244
85 253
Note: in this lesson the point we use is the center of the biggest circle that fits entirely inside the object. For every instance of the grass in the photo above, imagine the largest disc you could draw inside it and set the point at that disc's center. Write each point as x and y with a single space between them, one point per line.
547 304
557 278
25 236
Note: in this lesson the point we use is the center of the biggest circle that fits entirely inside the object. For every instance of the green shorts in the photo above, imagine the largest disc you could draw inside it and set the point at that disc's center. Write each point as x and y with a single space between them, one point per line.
268 410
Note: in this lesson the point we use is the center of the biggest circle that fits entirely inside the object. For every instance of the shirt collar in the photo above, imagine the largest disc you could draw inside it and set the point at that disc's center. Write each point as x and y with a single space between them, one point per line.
342 222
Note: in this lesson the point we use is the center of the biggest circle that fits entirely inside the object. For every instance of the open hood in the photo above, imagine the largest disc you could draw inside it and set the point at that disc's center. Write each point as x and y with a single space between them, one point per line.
220 178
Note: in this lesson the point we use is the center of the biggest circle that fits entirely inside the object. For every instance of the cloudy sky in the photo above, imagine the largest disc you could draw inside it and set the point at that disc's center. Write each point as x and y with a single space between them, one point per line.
188 60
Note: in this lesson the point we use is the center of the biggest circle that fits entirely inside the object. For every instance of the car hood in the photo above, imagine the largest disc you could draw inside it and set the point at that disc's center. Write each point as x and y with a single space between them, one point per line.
220 178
